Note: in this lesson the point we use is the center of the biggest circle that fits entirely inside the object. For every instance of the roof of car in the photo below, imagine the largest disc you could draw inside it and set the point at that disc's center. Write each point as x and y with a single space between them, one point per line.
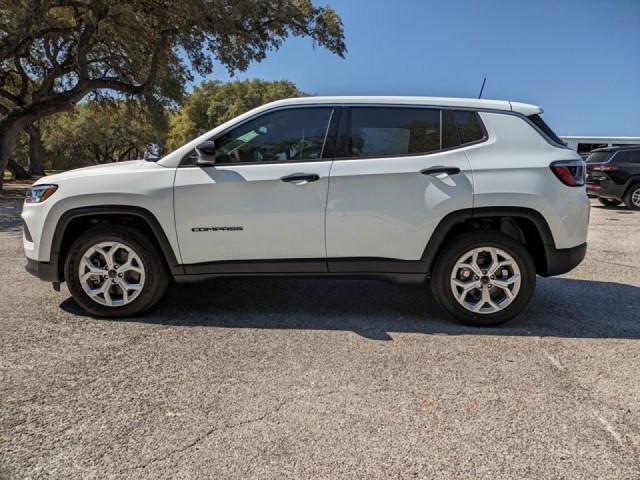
523 108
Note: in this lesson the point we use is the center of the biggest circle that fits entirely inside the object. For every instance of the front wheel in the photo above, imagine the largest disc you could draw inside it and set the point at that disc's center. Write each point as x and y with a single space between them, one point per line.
484 278
115 271
632 197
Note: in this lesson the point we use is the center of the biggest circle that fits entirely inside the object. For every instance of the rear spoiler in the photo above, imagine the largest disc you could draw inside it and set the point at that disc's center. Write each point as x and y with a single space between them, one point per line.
525 109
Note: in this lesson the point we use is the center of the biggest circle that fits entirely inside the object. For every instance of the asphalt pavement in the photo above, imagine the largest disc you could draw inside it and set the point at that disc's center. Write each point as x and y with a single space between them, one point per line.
288 378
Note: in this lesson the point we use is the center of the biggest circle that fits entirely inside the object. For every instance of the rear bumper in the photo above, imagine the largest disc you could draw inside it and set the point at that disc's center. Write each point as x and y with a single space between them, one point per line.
593 191
563 260
43 270
606 189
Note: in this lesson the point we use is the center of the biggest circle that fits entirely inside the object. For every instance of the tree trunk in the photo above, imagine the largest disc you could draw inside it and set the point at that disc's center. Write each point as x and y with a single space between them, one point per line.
7 136
36 151
18 171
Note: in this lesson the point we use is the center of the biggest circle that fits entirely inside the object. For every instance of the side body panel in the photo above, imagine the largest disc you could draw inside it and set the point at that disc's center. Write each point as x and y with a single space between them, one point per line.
512 170
628 173
385 208
267 218
138 184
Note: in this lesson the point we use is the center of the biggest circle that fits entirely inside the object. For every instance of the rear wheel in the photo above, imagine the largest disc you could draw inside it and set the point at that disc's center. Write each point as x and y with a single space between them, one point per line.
115 272
608 202
484 278
632 197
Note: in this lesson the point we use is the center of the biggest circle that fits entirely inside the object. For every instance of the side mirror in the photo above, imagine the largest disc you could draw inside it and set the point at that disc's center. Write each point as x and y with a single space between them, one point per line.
206 151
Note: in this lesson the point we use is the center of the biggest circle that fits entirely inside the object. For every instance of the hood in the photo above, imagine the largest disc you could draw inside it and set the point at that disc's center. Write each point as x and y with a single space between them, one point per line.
96 170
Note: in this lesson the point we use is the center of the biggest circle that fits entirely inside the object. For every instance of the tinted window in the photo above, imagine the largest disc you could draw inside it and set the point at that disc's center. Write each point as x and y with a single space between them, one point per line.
450 135
291 135
469 126
598 157
634 156
627 156
540 123
379 131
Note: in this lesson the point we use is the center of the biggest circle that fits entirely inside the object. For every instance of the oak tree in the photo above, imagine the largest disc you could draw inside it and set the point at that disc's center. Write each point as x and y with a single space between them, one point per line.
53 53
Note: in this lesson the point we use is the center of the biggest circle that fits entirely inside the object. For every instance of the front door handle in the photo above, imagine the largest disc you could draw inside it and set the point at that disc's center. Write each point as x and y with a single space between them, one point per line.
301 177
440 169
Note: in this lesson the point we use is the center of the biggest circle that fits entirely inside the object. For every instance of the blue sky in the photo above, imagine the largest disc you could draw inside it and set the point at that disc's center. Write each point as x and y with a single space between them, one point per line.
578 59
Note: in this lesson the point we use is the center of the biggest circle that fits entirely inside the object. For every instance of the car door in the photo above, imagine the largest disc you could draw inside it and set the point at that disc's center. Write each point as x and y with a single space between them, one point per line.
261 206
396 175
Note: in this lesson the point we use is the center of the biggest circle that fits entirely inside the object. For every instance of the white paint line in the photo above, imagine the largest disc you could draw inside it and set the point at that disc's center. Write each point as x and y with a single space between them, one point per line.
556 363
608 427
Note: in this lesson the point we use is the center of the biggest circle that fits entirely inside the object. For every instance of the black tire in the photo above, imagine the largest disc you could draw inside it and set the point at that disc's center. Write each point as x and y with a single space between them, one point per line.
634 191
156 274
609 202
440 280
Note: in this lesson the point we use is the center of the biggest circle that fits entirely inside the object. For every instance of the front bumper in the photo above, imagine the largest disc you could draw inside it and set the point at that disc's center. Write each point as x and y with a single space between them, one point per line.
43 270
563 260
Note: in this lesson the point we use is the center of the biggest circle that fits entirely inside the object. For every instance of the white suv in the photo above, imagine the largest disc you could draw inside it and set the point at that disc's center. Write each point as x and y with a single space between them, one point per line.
478 196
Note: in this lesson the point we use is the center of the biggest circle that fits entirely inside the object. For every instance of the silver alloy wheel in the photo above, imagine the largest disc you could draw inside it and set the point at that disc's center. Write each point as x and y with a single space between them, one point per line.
485 280
111 274
635 198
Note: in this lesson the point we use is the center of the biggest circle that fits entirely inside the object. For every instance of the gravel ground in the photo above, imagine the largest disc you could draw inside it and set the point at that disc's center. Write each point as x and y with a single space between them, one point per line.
264 378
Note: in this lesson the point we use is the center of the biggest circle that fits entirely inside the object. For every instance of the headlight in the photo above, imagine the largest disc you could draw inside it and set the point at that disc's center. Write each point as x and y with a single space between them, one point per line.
39 193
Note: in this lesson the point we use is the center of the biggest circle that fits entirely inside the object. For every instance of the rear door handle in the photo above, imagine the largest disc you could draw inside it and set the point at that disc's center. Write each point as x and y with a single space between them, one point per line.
439 169
301 177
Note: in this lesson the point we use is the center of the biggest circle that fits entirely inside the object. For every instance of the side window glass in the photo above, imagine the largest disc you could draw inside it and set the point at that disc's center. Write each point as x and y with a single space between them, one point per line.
621 157
628 156
291 135
388 131
450 135
469 126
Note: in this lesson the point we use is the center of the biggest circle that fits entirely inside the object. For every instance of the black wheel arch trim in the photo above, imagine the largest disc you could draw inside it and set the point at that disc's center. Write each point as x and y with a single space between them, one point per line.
451 220
149 218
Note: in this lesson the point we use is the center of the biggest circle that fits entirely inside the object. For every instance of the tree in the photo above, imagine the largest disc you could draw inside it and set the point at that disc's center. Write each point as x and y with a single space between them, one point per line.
96 133
36 150
215 102
55 52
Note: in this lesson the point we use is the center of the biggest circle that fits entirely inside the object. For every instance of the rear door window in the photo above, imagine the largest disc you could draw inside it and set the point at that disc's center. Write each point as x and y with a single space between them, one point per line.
392 131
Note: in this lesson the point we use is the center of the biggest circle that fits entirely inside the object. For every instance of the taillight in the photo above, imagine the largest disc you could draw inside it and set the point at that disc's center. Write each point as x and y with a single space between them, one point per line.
570 172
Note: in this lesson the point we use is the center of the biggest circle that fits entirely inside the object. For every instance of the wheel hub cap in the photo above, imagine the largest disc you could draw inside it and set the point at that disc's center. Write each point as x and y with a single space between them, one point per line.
485 280
111 274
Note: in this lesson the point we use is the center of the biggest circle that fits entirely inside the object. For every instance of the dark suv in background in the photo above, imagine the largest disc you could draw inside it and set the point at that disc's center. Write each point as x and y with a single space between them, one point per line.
613 175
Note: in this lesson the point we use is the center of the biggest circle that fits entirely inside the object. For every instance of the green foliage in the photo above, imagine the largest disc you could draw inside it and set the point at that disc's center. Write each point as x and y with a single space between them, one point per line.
53 53
99 133
213 103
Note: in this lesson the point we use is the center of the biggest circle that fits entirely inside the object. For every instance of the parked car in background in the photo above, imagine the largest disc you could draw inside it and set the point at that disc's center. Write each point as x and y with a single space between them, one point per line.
613 176
478 196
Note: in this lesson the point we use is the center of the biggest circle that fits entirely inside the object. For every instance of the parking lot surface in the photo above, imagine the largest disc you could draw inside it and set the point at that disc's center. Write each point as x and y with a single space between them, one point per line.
288 378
